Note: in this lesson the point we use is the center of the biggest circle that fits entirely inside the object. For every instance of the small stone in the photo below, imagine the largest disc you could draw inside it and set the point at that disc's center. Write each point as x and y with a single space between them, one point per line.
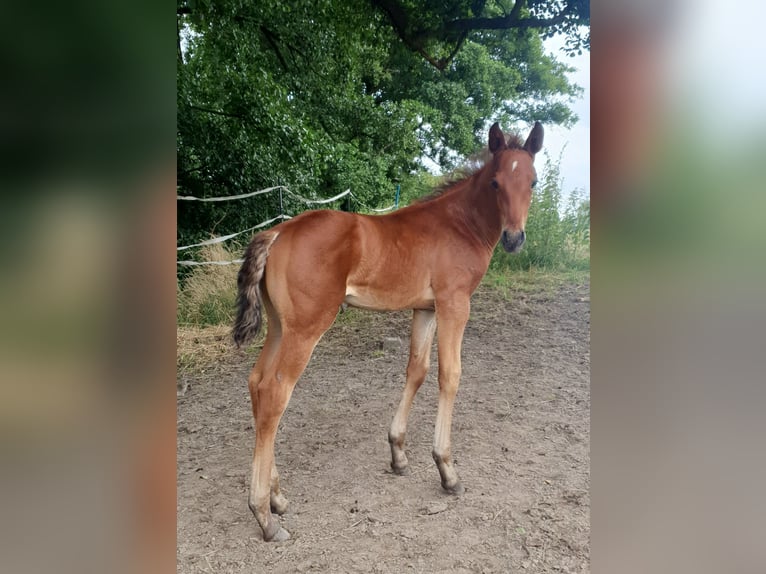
436 508
392 344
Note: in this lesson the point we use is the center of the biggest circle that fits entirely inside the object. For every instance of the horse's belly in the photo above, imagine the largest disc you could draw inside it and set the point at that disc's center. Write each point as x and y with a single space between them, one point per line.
379 300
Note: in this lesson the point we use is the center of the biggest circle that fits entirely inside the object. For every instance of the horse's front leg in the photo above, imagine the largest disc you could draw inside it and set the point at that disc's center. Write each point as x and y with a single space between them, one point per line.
451 317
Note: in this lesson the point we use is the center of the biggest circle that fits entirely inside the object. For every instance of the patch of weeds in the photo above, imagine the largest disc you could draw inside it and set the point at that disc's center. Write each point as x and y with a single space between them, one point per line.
509 282
208 293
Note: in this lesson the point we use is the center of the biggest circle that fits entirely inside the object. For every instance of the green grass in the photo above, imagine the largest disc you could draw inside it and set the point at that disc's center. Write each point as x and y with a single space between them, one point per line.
349 316
509 281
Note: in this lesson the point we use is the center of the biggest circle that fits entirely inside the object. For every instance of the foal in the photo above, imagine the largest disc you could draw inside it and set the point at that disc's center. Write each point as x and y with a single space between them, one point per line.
429 257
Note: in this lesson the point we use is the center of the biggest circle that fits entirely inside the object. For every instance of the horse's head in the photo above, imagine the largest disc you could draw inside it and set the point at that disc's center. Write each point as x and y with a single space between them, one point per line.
513 177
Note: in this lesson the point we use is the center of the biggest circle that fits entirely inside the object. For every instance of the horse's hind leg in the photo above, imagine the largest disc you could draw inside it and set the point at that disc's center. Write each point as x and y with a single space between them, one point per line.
423 325
270 400
278 501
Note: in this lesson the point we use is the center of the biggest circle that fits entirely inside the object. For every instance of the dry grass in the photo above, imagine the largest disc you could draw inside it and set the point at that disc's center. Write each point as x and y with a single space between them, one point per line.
210 291
205 312
202 348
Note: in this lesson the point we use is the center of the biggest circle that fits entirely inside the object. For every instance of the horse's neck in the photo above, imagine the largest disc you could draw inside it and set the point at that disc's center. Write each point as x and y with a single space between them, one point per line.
475 204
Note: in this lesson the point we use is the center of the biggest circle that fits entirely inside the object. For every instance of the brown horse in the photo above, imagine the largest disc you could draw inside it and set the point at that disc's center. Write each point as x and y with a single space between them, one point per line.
429 257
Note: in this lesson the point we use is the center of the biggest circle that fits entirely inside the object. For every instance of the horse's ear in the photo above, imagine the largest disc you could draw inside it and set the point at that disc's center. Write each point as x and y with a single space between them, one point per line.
496 138
534 141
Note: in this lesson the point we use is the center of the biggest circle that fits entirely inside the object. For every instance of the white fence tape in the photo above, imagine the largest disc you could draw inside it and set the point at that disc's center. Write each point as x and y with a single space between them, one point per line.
267 190
230 197
384 209
210 262
312 201
227 237
263 224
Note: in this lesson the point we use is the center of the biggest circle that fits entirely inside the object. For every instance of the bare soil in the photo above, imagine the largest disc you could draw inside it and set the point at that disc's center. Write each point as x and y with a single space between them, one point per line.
520 441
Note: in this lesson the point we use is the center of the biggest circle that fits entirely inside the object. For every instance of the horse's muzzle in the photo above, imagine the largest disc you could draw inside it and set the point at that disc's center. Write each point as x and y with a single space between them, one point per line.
512 240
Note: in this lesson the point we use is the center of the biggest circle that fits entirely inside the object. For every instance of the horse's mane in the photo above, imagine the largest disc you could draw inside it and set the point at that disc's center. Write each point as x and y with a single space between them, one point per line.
472 165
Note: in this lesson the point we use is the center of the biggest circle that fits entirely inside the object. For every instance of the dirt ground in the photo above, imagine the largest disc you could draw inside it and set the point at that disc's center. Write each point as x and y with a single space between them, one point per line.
520 440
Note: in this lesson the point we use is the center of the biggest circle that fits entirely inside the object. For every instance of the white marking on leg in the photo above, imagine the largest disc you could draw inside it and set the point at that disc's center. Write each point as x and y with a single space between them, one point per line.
514 165
443 428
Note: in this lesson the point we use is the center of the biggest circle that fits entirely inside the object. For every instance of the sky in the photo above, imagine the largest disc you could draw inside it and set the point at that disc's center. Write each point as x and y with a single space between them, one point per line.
575 142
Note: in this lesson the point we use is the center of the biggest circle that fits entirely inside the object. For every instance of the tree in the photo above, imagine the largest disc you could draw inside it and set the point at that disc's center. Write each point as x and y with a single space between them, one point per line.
325 95
445 26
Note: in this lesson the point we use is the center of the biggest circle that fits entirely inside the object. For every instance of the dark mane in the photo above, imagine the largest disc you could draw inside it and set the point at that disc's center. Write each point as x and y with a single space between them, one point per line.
472 165
514 141
453 178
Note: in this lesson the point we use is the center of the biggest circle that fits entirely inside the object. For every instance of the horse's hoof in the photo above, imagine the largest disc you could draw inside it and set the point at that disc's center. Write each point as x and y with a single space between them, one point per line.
401 470
280 536
457 489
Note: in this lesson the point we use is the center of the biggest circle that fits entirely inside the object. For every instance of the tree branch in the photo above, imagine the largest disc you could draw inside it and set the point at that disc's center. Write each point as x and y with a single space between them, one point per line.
512 20
216 112
272 38
446 61
515 13
399 20
401 24
179 52
504 23
416 38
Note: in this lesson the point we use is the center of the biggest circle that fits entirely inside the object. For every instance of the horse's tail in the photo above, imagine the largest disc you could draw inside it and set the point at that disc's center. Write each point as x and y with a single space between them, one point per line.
248 321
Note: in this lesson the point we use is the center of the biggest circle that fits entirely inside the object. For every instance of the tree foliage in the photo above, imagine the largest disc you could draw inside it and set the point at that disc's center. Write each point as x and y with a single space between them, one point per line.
325 95
436 29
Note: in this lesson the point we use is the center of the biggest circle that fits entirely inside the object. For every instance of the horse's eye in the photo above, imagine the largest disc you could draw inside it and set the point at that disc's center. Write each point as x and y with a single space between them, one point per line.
534 184
494 183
